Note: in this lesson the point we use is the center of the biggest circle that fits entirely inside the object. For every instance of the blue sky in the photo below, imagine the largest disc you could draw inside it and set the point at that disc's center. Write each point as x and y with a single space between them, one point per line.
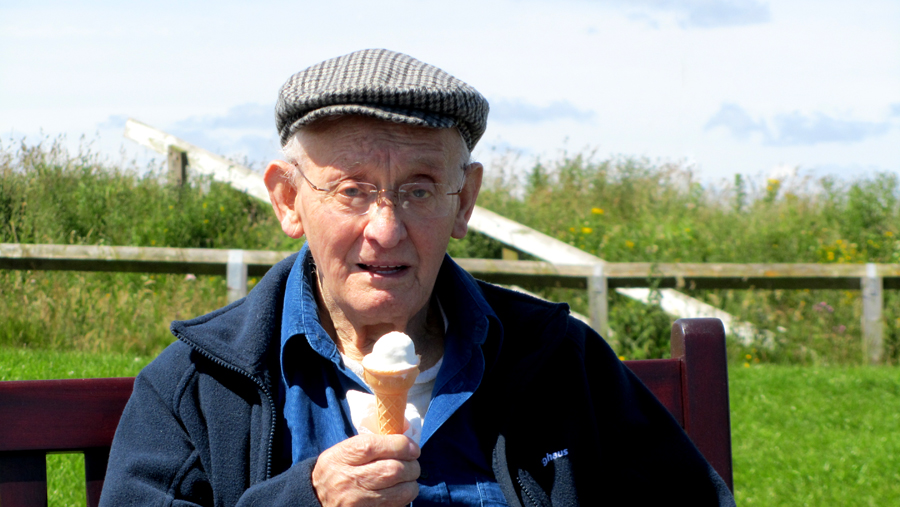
725 87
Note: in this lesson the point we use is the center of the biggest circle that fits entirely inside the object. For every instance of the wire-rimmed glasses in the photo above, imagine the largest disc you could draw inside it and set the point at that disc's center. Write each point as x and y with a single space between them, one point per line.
423 199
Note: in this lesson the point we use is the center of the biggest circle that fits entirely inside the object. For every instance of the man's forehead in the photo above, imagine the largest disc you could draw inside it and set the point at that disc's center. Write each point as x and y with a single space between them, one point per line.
351 140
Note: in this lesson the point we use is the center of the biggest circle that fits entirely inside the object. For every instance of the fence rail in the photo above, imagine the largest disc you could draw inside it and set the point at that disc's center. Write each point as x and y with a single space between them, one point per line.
598 278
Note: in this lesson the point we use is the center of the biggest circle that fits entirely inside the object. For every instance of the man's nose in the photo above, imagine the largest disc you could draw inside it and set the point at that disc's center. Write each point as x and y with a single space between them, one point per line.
384 226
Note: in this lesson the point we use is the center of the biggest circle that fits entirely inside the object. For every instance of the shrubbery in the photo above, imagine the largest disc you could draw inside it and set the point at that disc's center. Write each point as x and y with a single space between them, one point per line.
622 210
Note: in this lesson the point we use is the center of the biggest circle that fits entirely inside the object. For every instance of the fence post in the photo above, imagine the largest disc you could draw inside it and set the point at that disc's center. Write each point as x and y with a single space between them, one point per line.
177 161
598 299
236 275
873 304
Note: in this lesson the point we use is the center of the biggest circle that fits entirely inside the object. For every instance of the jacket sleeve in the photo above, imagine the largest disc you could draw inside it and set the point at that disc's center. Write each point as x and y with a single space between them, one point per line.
159 458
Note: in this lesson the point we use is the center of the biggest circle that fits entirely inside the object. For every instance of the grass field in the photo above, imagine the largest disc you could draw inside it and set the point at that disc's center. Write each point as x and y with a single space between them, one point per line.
801 435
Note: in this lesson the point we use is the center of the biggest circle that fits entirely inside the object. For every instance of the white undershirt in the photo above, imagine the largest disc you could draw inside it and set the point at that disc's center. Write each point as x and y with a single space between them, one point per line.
362 405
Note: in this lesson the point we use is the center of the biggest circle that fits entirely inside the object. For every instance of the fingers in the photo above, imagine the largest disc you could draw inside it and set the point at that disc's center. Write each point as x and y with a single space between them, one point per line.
363 449
368 470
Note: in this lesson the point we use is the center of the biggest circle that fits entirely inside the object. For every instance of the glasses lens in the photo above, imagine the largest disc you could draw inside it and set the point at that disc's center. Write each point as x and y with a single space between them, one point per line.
353 197
425 200
414 200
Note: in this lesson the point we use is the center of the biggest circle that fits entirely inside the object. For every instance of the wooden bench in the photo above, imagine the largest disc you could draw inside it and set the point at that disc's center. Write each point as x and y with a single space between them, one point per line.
38 417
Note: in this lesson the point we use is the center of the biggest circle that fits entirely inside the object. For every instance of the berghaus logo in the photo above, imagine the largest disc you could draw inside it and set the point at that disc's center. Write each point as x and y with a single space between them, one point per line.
552 456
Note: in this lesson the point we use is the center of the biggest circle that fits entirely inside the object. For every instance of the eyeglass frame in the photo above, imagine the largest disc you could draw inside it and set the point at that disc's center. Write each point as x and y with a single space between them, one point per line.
378 191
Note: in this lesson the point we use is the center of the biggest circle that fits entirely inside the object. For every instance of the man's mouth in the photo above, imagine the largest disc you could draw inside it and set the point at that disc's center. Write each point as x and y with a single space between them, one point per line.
383 269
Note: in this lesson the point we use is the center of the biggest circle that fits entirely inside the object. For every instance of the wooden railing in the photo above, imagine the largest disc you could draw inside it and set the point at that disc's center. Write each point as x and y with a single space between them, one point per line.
597 278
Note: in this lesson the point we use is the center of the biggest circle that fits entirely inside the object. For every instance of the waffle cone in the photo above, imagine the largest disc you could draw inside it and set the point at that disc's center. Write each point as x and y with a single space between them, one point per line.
391 389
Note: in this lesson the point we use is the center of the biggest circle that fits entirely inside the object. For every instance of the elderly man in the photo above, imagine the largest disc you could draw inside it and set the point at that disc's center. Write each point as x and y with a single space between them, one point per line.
262 402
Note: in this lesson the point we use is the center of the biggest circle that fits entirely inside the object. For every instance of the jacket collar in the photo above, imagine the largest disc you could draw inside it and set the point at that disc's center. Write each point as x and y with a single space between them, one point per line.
244 334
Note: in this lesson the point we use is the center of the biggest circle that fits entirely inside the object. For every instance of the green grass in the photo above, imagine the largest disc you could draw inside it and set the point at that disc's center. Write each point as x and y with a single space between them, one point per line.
32 364
815 436
800 435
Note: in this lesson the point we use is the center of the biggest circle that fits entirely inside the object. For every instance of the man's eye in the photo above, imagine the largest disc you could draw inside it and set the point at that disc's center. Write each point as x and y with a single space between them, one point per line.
351 190
420 192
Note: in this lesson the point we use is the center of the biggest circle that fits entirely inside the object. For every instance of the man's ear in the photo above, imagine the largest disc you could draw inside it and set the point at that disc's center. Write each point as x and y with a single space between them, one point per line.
283 195
467 197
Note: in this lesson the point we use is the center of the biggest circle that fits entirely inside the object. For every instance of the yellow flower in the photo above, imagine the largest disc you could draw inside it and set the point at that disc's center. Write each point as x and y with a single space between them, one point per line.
206 221
889 234
629 244
830 256
586 230
222 208
621 358
746 365
597 211
204 205
571 229
748 356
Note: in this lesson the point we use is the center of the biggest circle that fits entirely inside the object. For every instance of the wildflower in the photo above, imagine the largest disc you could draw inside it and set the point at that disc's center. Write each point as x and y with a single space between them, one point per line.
205 220
889 234
189 277
621 358
597 211
222 208
629 244
204 205
571 229
830 255
746 365
748 356
586 230
823 307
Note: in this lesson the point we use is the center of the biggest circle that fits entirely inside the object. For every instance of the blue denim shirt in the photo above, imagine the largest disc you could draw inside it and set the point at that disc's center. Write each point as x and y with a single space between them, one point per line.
314 381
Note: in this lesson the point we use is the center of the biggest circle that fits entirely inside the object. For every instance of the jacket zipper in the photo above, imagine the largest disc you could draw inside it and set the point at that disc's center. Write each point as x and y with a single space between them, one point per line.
262 387
525 491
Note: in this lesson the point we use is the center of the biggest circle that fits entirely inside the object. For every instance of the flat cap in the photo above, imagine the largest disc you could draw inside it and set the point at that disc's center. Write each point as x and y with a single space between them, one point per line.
386 85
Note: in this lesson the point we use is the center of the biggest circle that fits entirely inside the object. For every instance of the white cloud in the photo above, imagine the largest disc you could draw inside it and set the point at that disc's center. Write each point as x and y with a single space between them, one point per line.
795 128
697 13
520 111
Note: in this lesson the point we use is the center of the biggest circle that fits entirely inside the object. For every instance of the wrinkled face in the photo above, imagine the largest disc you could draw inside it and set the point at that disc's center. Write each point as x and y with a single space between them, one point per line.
379 267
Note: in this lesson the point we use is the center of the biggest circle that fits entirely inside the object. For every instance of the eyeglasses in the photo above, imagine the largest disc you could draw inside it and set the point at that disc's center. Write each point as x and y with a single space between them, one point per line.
415 200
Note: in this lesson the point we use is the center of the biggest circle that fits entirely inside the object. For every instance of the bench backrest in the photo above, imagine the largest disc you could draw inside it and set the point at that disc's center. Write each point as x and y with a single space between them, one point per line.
80 415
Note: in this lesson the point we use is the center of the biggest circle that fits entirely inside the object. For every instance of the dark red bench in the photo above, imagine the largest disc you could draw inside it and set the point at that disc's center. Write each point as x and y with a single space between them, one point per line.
80 415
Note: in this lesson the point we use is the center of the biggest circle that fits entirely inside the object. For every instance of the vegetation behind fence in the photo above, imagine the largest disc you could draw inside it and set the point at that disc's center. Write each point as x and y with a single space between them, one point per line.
621 210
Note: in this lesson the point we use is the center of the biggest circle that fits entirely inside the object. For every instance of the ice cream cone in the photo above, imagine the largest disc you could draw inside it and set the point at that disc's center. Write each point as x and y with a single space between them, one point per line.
391 389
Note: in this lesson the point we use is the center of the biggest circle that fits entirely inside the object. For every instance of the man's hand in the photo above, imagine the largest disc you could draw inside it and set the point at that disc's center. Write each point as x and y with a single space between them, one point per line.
377 470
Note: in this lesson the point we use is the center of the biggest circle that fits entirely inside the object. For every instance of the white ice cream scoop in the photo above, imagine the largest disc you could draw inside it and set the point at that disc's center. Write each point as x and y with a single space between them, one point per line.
394 351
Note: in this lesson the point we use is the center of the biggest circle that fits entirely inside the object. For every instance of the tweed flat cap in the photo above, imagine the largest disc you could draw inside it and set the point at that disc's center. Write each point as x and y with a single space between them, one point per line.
385 84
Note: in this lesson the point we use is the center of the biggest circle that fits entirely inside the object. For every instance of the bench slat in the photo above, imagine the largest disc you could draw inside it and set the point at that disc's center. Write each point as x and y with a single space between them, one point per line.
61 415
663 378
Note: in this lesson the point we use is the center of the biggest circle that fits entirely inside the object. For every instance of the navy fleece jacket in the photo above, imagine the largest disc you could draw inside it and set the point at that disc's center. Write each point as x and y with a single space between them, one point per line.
562 420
